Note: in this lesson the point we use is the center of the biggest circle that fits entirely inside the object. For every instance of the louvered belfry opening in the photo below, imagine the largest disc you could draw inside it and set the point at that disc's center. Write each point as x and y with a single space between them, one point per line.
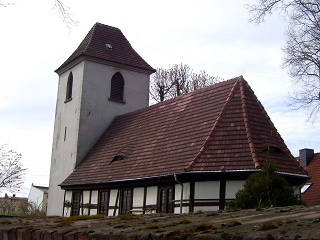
117 87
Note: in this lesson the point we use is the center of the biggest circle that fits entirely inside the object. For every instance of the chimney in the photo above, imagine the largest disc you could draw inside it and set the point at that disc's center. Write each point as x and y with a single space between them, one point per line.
305 156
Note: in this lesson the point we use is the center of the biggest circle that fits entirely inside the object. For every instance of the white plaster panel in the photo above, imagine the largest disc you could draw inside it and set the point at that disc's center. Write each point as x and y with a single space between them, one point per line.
68 196
94 197
138 197
113 197
207 190
186 191
184 210
152 193
208 208
86 197
110 213
93 212
232 187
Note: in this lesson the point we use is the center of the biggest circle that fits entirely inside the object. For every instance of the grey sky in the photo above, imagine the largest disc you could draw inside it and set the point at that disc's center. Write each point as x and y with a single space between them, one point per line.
214 36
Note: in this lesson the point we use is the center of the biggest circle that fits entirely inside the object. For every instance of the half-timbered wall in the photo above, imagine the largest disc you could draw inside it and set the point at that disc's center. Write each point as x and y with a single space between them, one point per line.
197 196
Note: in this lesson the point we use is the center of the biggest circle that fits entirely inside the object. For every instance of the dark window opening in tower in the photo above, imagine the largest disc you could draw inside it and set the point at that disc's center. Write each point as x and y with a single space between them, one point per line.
117 87
69 87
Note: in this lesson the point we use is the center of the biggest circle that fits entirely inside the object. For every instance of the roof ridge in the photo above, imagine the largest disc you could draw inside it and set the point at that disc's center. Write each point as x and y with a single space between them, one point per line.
171 100
247 127
90 36
202 149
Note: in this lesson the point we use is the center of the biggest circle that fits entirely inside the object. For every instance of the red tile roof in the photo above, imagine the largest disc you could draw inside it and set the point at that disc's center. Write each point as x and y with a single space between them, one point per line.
312 195
121 51
221 127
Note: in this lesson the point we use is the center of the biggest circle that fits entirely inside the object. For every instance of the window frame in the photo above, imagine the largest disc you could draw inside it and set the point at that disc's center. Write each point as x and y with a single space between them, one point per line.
75 203
117 84
103 207
165 204
69 88
128 202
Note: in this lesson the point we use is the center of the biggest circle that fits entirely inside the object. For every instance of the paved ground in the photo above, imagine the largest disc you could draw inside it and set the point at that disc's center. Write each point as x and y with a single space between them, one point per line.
296 222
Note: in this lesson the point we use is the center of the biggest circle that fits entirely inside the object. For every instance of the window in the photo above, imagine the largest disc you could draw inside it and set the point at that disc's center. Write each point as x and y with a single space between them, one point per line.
117 87
69 87
273 149
166 200
75 203
305 187
103 202
126 201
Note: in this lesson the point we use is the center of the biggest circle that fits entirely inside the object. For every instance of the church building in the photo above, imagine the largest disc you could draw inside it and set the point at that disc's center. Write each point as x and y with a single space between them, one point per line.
113 154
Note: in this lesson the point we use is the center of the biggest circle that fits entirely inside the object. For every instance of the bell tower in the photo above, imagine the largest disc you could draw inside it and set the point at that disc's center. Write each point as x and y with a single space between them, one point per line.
103 78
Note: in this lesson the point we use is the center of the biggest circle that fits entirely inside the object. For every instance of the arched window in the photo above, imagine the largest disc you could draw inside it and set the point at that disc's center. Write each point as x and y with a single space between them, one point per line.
117 87
69 87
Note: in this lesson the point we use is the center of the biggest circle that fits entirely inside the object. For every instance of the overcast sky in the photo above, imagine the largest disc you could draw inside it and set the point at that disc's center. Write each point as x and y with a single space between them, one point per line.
214 36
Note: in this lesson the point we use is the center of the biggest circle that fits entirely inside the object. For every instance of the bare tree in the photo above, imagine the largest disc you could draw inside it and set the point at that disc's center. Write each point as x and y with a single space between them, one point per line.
5 4
302 49
11 171
64 13
160 86
179 79
60 8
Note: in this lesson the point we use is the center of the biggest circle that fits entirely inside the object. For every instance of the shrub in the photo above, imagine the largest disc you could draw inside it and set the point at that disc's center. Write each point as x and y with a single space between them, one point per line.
265 189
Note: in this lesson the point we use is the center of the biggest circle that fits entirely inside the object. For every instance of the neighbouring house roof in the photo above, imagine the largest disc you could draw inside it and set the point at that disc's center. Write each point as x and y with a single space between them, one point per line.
218 128
41 188
312 195
108 43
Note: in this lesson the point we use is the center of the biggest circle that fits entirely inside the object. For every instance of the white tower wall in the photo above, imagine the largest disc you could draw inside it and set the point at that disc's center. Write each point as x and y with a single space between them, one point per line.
81 121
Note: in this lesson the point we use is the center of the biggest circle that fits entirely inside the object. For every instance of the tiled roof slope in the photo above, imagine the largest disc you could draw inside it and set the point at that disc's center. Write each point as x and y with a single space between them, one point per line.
312 195
94 45
221 127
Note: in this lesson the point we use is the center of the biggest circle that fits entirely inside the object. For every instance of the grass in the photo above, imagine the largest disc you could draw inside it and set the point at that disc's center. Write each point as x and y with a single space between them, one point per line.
205 226
232 223
268 225
68 220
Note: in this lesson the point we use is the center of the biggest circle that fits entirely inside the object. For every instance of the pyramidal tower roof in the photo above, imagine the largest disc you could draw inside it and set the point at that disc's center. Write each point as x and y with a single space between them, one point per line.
107 44
221 128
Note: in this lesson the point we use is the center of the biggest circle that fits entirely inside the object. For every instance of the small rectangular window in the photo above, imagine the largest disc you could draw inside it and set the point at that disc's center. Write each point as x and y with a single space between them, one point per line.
126 201
103 202
75 203
165 201
65 134
305 187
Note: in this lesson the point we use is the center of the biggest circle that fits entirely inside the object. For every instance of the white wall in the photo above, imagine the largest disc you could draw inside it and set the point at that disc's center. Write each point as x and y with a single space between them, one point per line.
36 197
232 187
87 116
97 111
138 194
152 194
185 198
113 202
64 148
68 198
206 190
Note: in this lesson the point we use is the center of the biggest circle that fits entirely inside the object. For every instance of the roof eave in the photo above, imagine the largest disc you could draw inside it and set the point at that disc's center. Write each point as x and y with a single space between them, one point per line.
68 65
300 178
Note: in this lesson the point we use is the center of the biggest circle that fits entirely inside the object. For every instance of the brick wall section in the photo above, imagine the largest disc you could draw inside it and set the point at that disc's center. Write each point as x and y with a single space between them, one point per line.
35 234
29 234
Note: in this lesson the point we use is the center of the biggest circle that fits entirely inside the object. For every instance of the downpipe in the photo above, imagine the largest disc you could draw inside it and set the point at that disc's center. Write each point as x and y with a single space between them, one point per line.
181 197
